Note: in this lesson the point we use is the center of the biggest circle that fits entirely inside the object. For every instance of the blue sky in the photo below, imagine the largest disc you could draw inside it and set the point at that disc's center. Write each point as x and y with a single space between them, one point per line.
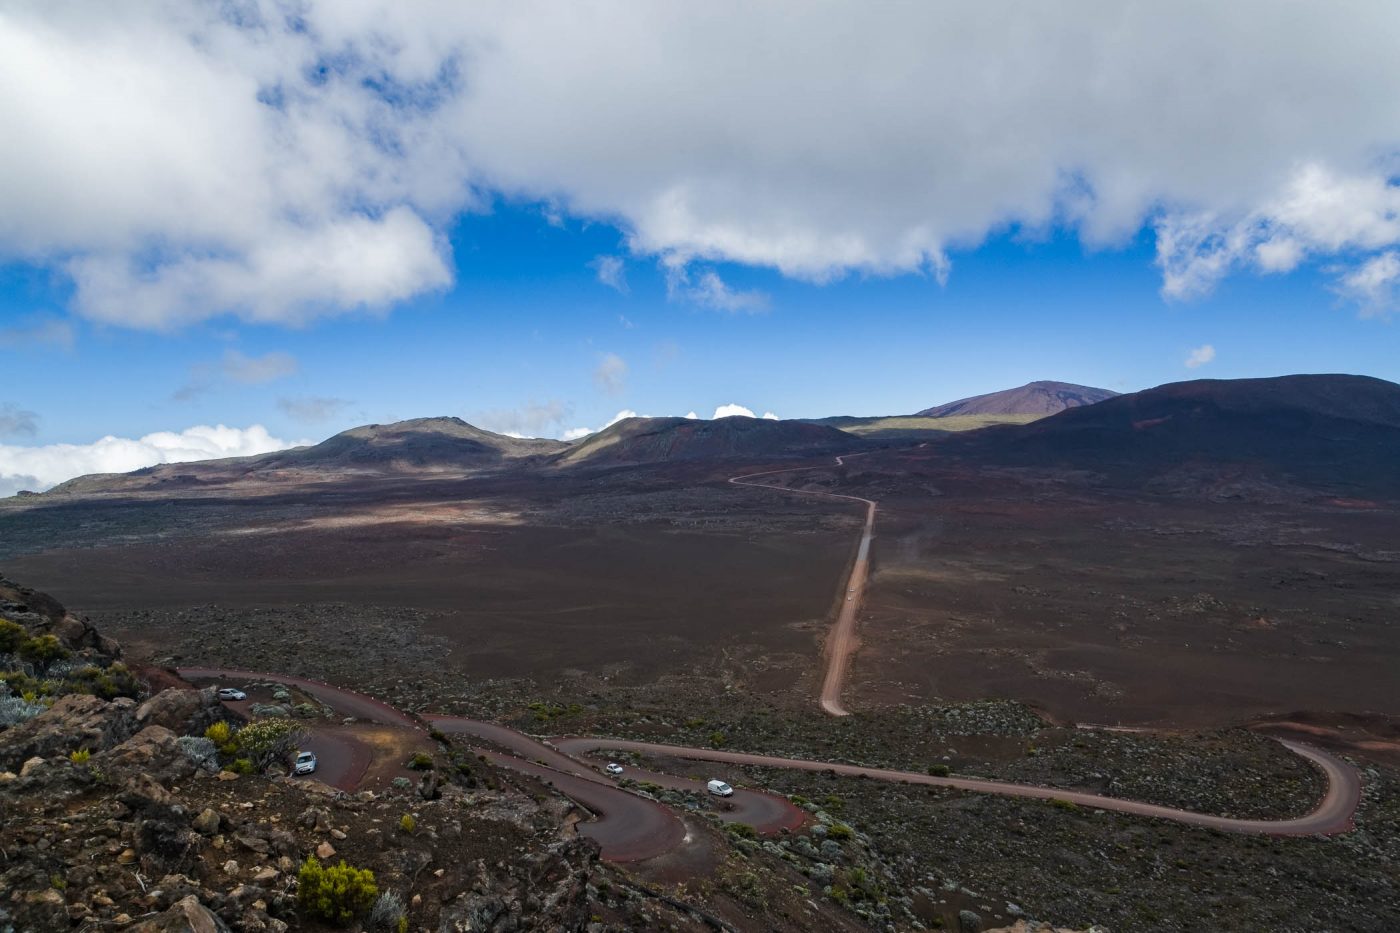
529 323
224 229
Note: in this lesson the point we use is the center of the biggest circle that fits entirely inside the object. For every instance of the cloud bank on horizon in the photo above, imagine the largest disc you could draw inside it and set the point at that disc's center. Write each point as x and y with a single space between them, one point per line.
39 468
182 161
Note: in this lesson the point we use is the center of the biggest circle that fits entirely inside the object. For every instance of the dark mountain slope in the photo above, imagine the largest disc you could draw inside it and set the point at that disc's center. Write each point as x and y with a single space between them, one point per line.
1033 398
659 440
1333 431
417 446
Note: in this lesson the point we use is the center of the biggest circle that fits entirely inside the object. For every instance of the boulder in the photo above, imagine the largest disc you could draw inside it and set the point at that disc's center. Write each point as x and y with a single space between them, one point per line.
185 712
75 721
207 822
186 916
155 750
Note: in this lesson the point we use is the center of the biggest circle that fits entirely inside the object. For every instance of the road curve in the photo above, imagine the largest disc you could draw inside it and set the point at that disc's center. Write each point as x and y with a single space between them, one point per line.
632 828
766 813
841 642
1333 813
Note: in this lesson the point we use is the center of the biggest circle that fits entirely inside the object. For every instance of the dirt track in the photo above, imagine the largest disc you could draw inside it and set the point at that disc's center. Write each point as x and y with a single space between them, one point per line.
632 828
842 641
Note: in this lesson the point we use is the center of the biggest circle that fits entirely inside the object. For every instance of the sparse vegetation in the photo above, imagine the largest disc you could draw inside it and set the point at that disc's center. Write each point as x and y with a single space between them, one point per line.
421 761
407 824
337 894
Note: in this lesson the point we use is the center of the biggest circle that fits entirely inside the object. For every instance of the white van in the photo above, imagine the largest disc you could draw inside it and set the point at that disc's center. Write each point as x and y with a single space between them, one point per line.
720 789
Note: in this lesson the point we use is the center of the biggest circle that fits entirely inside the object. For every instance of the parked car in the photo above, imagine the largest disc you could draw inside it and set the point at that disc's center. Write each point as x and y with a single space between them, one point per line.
305 763
232 693
613 768
720 789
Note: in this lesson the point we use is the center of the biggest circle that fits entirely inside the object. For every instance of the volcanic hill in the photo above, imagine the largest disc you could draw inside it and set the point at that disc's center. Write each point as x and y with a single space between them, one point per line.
656 440
1033 398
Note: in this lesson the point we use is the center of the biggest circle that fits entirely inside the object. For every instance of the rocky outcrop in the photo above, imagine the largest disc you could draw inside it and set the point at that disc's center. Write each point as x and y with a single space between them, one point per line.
187 712
41 614
73 723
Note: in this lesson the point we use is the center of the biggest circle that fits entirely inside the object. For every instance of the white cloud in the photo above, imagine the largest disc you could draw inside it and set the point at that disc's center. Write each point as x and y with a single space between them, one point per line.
181 161
1314 212
38 468
15 420
1200 356
730 410
611 374
1374 283
769 416
574 434
39 331
692 416
535 419
709 290
612 272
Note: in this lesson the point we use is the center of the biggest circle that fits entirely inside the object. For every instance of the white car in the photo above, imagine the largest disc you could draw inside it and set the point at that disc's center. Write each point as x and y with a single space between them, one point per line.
305 763
232 693
720 789
613 768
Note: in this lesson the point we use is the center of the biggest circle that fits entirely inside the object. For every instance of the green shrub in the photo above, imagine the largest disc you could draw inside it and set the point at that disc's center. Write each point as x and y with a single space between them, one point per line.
717 739
241 766
742 830
421 761
407 823
939 770
80 757
1062 804
266 741
12 635
839 831
337 894
220 733
43 650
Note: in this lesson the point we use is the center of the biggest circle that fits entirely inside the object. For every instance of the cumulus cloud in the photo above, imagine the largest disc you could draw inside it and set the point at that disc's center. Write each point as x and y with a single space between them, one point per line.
39 331
180 161
574 434
1200 356
535 419
708 290
237 368
313 409
15 421
38 468
1374 284
612 272
727 411
611 374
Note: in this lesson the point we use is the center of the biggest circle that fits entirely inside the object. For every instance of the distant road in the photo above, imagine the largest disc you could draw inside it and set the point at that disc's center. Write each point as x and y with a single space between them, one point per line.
841 643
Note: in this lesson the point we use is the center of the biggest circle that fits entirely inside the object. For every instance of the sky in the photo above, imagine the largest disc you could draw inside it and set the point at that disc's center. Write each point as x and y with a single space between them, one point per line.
226 228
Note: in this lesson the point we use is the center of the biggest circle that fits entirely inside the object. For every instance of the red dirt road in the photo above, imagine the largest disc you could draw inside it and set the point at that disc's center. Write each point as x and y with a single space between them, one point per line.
1333 813
632 828
842 641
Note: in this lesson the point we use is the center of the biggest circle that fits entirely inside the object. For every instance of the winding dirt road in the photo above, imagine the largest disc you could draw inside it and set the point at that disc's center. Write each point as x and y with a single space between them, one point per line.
1333 813
841 643
632 828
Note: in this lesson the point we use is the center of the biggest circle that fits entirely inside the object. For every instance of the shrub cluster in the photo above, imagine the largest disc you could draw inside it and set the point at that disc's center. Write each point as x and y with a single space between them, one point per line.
337 894
257 746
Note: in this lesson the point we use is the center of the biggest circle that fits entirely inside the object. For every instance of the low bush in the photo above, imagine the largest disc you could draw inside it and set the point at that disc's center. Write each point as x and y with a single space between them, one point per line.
839 831
421 761
80 757
42 650
939 770
12 635
337 894
741 830
407 823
